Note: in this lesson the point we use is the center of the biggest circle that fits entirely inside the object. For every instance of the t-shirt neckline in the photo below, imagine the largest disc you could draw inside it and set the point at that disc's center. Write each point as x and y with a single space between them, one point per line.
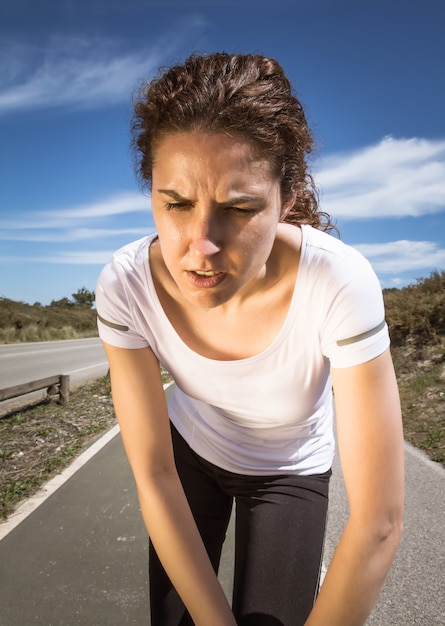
280 336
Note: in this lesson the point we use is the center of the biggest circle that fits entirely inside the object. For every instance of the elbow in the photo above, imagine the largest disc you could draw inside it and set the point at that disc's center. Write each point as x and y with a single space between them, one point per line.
389 540
380 532
399 524
394 521
398 528
388 532
156 482
392 533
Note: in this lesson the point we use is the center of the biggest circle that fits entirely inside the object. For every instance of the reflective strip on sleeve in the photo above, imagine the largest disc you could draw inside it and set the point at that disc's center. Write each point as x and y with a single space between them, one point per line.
365 335
112 324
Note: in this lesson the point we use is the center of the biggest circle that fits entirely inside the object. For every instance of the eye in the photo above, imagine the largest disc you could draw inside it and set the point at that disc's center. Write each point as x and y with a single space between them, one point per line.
177 206
243 211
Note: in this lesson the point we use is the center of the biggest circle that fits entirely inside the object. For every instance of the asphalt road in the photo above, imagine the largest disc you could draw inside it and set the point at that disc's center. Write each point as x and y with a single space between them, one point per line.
414 591
80 558
82 359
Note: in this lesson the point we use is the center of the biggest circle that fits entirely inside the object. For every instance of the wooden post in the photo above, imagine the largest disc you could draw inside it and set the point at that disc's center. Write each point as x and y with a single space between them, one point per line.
64 386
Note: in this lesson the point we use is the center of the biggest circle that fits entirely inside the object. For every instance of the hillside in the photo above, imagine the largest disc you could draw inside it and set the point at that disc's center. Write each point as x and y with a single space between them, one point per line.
62 319
416 319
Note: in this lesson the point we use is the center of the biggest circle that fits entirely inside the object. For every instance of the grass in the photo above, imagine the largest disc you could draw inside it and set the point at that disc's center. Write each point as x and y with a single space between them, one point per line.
33 333
423 407
40 441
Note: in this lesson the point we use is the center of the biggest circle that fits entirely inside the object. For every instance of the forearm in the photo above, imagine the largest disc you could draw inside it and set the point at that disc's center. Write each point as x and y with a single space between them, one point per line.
355 576
176 539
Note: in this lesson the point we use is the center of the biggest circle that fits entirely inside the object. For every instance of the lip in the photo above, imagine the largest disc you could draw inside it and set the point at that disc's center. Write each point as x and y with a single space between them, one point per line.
206 282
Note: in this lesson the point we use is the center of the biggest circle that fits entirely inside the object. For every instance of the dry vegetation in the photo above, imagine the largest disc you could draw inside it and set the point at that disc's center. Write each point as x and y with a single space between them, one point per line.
62 319
38 442
416 318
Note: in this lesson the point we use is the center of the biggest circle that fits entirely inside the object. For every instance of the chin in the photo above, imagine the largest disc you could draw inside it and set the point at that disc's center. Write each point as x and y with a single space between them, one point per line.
207 300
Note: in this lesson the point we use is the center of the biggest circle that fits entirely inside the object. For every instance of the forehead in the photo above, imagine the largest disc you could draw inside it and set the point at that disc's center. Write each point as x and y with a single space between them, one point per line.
202 138
218 156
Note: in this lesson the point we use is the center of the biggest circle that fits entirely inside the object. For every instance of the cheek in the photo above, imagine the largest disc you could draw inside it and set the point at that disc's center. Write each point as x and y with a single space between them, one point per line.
259 238
171 249
171 234
169 241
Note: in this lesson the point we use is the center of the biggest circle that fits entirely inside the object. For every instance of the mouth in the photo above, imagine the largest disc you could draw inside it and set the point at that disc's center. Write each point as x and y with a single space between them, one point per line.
206 279
206 274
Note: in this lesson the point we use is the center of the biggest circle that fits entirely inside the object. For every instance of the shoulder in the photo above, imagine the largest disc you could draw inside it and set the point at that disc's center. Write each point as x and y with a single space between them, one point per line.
316 244
325 245
127 263
132 254
325 263
287 243
326 257
348 295
122 290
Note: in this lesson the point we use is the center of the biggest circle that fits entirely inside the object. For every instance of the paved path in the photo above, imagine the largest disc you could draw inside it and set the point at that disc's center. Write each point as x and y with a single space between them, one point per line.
80 557
414 592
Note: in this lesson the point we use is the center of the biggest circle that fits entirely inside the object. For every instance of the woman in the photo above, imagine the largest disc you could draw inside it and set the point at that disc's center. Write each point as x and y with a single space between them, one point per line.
257 313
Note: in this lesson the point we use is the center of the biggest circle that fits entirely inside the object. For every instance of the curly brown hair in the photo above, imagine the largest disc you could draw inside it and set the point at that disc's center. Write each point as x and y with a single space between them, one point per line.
248 94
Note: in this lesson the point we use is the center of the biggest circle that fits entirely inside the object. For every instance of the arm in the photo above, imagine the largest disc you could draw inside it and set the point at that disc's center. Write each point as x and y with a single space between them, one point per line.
370 440
141 410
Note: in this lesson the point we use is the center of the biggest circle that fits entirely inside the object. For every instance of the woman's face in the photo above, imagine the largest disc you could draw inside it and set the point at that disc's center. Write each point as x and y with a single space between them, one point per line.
216 206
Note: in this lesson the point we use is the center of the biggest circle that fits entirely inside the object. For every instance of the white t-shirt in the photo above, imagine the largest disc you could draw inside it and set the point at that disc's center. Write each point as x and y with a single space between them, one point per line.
271 413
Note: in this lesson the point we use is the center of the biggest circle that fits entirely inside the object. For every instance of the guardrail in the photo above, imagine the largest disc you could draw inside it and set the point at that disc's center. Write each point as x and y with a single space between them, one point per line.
54 385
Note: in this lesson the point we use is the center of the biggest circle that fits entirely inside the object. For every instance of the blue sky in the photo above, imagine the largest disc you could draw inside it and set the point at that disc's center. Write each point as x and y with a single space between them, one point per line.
369 72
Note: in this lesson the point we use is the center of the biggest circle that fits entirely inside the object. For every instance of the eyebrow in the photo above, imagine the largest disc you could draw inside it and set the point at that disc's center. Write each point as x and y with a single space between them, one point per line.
172 194
242 199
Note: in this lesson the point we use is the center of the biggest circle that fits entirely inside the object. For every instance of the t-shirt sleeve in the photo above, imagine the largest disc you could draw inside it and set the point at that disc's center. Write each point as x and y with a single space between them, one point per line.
355 330
115 320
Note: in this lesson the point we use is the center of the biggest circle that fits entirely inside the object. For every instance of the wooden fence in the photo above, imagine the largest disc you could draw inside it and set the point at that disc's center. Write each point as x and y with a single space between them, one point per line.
54 385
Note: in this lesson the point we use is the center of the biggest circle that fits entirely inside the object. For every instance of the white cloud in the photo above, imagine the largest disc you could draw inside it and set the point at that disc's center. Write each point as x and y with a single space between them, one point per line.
121 203
396 257
72 73
395 178
86 257
124 203
123 218
79 73
75 234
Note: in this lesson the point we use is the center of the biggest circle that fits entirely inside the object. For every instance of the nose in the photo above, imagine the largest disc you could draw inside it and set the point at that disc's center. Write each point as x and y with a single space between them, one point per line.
205 239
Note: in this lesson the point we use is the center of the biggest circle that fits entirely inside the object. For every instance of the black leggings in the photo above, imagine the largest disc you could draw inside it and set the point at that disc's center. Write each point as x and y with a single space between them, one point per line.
279 535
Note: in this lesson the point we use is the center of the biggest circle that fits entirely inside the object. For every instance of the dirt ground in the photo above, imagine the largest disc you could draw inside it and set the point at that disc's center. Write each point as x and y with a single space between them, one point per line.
421 378
38 442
